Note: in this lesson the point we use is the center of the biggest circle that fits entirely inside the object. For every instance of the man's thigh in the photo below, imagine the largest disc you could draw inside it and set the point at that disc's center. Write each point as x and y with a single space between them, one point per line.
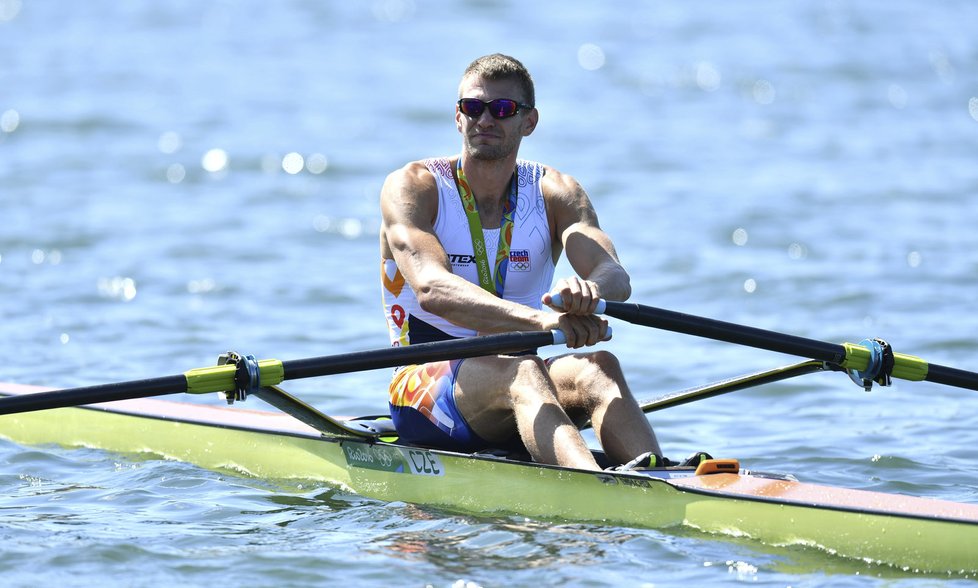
483 392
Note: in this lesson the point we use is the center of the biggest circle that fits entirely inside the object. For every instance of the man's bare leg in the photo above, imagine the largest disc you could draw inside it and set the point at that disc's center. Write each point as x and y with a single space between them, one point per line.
592 386
502 395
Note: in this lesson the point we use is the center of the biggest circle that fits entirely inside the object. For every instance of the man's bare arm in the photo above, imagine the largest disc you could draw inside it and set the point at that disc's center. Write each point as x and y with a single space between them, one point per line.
589 249
409 204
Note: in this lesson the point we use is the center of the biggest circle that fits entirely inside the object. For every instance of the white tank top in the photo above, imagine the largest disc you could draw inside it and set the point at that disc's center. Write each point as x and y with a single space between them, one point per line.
528 277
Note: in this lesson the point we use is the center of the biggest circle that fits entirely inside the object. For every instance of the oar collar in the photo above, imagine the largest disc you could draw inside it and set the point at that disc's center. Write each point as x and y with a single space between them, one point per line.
880 365
247 375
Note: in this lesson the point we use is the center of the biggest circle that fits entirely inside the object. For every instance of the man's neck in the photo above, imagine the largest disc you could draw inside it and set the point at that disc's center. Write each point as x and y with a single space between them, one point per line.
490 181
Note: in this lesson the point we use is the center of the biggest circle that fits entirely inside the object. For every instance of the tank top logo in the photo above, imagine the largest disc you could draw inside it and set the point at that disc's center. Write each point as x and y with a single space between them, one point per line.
460 259
519 260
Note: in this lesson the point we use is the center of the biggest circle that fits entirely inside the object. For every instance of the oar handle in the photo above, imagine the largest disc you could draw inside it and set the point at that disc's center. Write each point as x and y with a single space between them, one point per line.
559 337
557 300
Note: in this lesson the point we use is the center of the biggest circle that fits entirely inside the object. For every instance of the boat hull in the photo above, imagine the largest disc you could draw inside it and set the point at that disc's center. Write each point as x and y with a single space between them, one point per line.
909 533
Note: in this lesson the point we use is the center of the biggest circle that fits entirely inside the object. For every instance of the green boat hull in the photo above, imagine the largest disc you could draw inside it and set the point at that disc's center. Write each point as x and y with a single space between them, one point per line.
924 535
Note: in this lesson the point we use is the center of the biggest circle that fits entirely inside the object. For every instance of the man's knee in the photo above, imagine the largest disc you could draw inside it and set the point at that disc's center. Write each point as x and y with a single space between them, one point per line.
599 367
531 379
529 367
606 361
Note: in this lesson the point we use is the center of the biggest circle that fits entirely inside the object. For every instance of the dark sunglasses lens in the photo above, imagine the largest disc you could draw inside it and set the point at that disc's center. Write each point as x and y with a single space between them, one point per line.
471 107
502 108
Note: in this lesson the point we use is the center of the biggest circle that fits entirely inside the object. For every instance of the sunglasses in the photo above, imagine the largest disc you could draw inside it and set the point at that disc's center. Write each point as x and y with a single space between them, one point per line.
498 108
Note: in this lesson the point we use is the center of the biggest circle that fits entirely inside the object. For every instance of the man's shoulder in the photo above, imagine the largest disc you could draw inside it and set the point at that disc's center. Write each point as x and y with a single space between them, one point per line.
557 185
412 169
413 176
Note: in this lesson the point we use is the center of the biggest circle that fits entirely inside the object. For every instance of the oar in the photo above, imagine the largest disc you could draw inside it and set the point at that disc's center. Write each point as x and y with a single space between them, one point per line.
255 374
849 356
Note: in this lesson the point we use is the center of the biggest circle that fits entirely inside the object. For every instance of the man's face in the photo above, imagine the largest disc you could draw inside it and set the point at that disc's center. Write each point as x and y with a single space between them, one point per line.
488 138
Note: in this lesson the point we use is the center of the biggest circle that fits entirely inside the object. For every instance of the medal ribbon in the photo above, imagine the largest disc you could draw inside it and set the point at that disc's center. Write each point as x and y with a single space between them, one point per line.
486 281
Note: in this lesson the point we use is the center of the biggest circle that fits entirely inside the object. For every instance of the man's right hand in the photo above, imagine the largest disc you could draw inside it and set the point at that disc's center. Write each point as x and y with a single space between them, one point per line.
577 296
583 330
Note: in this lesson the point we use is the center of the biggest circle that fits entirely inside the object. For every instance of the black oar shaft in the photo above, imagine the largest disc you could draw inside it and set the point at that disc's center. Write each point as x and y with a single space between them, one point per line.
678 322
94 394
221 378
952 376
418 353
908 367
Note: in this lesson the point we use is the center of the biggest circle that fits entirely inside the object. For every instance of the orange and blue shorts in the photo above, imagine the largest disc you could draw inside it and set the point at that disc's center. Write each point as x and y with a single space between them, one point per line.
422 403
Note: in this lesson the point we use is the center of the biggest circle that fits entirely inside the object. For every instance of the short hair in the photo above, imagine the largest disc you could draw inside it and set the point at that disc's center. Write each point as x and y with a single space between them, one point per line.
503 67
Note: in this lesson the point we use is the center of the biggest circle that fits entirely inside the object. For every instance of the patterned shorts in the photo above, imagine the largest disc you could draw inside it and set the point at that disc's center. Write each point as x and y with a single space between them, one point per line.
422 403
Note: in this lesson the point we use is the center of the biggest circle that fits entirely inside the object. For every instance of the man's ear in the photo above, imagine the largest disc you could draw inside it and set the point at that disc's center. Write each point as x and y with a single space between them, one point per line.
530 122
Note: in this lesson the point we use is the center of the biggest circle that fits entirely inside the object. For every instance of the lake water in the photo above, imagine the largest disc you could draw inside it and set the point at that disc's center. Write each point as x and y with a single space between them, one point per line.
178 179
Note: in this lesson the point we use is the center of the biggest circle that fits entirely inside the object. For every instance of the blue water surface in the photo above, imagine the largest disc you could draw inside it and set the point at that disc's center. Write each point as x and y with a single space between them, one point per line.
178 179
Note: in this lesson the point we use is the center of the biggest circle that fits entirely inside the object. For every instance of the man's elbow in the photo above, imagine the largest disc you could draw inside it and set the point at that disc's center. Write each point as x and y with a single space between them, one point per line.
432 299
615 281
622 290
627 291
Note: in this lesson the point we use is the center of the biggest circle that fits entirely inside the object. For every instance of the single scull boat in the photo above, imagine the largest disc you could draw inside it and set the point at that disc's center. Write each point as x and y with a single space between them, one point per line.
363 456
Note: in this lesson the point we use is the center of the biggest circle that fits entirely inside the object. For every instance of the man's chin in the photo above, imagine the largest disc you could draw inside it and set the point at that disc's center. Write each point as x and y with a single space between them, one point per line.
487 153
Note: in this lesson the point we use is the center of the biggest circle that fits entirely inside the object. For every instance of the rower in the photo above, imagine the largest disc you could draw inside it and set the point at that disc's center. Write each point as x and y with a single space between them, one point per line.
468 246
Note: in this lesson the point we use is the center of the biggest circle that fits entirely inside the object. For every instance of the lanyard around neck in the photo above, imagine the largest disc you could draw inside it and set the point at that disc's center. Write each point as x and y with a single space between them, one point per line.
478 241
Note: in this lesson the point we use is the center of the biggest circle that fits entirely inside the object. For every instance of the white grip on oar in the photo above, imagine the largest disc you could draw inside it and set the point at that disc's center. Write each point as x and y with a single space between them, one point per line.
559 337
556 300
